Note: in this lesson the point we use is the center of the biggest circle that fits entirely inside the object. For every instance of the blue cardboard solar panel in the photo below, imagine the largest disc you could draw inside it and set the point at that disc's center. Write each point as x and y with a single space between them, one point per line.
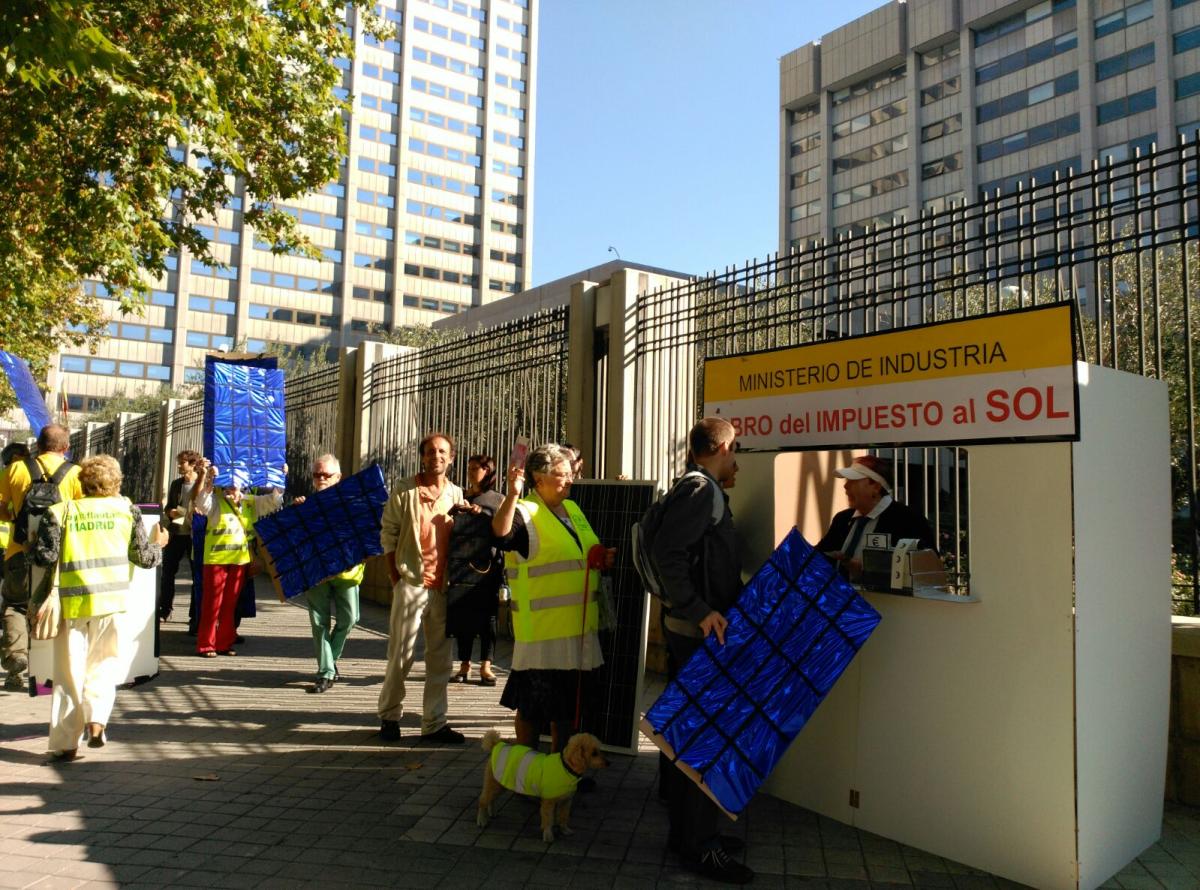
733 710
26 390
333 530
245 433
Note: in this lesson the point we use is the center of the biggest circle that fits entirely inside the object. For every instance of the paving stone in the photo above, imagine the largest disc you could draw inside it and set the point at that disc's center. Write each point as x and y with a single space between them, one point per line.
311 797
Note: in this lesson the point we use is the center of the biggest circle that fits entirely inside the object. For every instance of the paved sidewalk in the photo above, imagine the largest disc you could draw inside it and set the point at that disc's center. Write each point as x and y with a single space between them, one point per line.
224 773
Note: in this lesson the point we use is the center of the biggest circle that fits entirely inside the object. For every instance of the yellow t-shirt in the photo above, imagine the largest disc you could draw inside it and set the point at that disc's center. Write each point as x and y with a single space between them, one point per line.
15 482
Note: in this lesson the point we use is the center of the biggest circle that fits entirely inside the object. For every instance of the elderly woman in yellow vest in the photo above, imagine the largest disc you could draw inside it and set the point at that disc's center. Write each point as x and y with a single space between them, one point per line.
334 598
547 539
96 540
227 557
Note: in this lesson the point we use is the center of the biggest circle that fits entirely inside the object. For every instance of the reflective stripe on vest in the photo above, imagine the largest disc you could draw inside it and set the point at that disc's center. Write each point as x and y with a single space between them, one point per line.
227 541
547 588
526 771
5 534
94 568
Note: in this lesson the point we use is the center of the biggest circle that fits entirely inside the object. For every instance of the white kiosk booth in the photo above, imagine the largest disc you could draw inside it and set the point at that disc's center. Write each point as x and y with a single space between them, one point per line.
1021 730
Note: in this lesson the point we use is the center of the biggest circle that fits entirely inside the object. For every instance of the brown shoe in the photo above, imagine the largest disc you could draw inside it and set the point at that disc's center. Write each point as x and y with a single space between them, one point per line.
63 756
96 737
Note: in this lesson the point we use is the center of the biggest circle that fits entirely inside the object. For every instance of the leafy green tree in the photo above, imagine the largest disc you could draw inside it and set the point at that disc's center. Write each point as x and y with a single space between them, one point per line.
100 100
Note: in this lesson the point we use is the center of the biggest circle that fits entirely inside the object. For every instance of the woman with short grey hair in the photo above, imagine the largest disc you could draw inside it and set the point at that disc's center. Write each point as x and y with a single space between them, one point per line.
553 561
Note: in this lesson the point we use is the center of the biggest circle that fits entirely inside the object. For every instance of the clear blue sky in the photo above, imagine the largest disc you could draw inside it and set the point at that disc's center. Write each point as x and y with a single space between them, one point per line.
658 128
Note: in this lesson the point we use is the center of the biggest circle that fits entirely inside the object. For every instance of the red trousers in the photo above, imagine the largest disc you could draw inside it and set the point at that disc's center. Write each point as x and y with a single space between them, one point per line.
222 584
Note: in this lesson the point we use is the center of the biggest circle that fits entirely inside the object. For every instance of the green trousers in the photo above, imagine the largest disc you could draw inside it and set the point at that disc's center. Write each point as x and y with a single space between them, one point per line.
336 600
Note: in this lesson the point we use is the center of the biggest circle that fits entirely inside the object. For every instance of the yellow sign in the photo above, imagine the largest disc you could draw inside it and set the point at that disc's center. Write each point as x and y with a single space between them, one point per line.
996 377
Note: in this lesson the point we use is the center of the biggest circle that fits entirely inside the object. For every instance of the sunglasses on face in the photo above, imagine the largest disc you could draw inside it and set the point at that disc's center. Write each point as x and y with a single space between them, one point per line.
324 475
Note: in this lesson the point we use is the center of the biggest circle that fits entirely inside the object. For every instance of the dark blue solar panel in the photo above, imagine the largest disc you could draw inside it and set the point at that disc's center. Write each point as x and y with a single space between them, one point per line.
333 530
244 423
26 390
733 710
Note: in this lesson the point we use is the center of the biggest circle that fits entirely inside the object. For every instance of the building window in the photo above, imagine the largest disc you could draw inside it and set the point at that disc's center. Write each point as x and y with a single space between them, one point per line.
806 177
805 210
1184 40
1123 18
1020 20
879 115
874 188
1106 112
870 154
939 54
1060 86
1022 59
1135 58
948 87
998 148
948 164
941 128
863 87
802 114
1041 176
453 124
805 143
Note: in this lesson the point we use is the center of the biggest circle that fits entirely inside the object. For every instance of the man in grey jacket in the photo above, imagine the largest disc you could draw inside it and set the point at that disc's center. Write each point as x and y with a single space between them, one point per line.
695 553
415 538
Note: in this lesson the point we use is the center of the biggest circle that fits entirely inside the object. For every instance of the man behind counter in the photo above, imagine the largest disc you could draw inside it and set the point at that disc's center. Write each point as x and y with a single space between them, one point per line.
872 511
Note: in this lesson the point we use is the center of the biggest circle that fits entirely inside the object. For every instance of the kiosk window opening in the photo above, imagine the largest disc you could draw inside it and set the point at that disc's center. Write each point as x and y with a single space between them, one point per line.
935 482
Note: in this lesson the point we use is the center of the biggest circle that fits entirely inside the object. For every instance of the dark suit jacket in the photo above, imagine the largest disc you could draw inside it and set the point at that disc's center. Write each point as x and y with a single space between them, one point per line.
173 495
898 520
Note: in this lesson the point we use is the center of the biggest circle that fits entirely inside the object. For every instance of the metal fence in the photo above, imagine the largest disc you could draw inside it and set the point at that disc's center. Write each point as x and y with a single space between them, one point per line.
482 390
141 445
1120 240
312 417
102 440
185 425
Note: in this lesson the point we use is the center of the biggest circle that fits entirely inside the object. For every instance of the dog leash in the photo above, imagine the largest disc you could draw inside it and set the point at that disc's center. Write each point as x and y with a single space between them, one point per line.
596 557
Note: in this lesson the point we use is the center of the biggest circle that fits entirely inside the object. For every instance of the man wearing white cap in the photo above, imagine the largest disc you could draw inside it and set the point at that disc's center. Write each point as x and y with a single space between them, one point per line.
872 511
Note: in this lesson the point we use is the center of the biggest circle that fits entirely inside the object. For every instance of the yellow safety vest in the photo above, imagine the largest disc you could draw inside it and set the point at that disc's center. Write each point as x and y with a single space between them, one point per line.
354 574
227 541
5 535
547 587
94 569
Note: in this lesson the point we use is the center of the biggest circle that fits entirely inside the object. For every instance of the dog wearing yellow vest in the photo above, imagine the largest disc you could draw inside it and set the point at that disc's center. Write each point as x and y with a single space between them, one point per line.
552 778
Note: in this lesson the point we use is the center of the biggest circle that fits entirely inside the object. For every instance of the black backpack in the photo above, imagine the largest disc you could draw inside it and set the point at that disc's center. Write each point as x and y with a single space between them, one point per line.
645 530
42 495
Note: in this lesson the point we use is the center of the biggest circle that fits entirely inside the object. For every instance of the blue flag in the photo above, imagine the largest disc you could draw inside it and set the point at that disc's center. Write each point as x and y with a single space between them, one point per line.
332 531
28 394
733 710
245 431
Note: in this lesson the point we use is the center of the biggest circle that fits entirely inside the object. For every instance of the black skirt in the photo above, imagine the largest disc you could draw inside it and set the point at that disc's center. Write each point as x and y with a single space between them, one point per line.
542 695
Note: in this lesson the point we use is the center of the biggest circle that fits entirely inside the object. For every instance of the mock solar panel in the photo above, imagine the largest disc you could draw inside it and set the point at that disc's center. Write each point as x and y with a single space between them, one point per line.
26 390
611 713
733 710
333 530
245 434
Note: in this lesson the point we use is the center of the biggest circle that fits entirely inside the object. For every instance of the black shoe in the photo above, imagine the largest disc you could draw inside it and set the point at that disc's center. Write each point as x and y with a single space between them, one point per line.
323 684
716 865
444 736
389 730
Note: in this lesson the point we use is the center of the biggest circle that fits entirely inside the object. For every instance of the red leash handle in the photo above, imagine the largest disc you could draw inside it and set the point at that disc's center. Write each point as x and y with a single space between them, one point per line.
597 557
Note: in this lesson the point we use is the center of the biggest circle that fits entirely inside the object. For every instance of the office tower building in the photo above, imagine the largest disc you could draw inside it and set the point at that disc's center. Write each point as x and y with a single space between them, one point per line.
924 103
431 213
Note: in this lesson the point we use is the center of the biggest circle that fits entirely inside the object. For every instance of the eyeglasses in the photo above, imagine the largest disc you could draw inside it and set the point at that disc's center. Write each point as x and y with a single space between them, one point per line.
324 475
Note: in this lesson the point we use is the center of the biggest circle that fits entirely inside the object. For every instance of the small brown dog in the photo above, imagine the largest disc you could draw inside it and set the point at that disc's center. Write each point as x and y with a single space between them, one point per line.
550 777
